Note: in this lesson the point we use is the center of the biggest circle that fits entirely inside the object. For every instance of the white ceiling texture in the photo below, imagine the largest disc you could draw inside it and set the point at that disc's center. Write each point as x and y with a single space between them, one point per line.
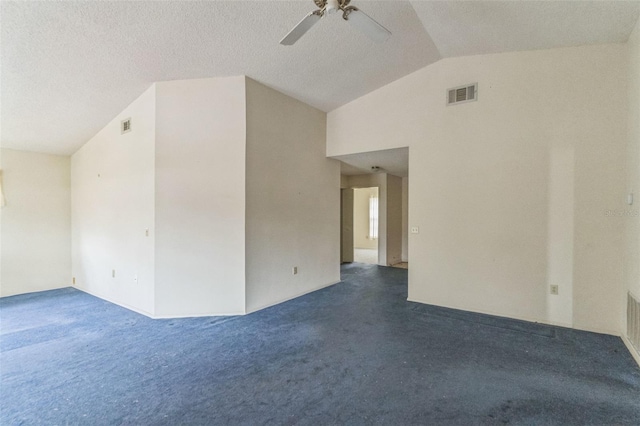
68 68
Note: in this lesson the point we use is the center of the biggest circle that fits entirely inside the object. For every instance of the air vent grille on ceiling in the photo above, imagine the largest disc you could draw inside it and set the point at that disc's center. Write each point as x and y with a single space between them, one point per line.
125 126
461 94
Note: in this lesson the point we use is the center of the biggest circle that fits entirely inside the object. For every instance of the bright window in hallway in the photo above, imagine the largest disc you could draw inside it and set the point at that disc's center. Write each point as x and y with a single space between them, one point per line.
373 217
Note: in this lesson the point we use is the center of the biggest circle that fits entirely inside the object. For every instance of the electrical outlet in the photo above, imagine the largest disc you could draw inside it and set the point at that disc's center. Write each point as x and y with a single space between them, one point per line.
74 280
135 278
553 289
294 271
146 232
113 273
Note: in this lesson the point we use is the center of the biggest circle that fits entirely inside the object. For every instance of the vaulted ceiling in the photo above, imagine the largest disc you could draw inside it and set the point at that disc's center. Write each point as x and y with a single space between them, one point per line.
68 68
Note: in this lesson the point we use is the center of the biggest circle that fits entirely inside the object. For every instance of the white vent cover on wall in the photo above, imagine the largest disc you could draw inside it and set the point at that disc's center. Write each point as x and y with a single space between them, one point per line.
125 126
466 93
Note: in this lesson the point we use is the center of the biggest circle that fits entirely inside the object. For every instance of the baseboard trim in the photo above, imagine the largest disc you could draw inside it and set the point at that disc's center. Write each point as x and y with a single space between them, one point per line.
522 318
250 311
631 348
595 330
197 315
519 318
122 305
30 291
153 316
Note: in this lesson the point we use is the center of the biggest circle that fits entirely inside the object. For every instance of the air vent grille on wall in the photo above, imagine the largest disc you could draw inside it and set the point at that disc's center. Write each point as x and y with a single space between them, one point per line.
633 321
125 126
461 94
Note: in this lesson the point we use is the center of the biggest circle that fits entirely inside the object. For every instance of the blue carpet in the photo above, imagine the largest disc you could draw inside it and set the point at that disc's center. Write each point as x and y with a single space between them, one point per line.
356 353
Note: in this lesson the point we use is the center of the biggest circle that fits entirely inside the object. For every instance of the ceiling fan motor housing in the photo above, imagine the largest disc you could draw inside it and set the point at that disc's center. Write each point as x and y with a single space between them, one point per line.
331 6
352 14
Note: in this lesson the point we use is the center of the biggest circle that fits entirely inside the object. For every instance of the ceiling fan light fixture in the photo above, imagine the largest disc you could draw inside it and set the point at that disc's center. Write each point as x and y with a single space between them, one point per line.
358 19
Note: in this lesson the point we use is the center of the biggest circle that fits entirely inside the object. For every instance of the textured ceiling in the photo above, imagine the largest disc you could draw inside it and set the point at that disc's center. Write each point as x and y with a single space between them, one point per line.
68 68
461 28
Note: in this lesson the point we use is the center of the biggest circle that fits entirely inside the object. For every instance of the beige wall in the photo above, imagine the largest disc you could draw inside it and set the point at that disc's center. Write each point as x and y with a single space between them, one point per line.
344 181
346 222
207 168
112 185
35 243
488 186
361 218
405 219
293 200
632 223
394 219
200 197
163 205
632 220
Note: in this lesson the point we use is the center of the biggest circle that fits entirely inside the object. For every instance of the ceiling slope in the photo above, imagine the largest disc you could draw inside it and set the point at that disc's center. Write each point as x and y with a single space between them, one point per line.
68 68
462 28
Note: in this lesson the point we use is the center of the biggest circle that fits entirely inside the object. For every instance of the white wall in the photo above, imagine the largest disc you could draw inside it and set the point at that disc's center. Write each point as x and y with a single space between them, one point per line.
112 185
631 219
482 173
361 238
293 199
35 248
200 197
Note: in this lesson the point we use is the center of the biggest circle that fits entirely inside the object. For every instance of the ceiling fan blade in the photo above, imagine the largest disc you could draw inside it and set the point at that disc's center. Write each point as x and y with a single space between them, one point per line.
367 25
302 27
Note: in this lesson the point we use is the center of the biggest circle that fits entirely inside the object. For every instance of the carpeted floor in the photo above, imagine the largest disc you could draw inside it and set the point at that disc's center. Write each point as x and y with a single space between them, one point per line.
354 353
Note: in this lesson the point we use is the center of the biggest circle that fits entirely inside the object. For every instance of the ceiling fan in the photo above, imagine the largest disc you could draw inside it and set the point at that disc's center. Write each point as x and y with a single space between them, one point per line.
351 14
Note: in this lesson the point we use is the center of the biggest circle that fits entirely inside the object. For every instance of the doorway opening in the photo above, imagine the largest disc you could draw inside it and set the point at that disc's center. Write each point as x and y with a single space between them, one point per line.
365 225
363 235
